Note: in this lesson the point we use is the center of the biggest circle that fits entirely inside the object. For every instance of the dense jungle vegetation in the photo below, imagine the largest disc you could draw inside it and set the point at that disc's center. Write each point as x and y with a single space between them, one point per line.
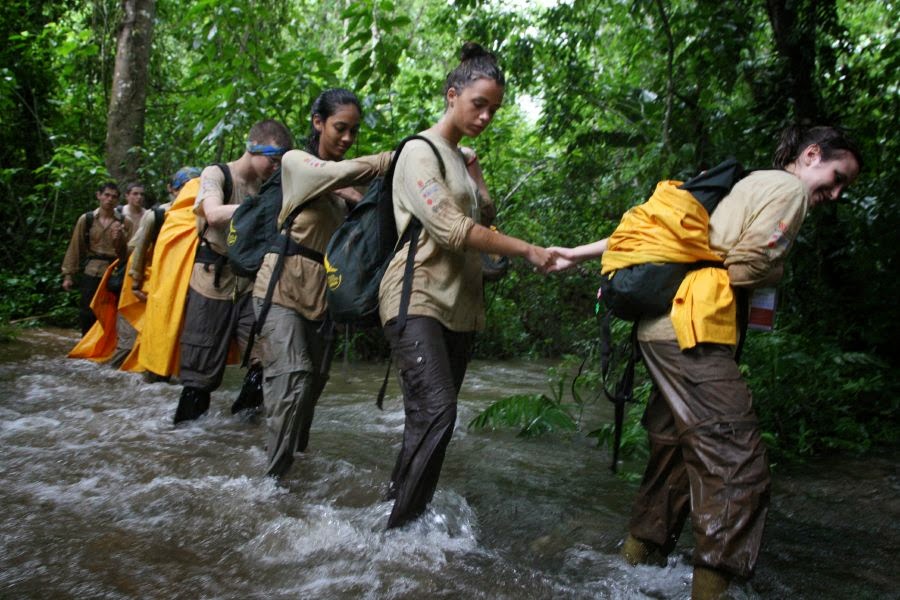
604 98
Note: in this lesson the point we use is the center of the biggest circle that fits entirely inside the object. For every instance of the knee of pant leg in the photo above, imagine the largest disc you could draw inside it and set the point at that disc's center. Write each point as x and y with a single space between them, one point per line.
731 449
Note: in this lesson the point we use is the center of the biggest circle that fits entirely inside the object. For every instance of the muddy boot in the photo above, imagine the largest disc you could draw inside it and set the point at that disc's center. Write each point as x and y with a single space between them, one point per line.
192 403
251 395
636 552
709 584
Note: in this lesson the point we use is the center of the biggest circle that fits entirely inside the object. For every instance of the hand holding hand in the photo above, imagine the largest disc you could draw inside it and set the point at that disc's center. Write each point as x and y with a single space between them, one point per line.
540 258
561 259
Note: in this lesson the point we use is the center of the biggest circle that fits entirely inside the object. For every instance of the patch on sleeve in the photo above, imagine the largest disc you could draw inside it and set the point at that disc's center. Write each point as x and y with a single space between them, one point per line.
429 190
314 162
779 238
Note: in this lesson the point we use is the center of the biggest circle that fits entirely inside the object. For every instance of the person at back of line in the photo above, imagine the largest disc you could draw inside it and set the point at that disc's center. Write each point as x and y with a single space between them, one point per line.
88 256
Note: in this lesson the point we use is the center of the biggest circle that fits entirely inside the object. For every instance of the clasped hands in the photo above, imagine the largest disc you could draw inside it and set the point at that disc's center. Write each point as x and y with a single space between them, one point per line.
557 258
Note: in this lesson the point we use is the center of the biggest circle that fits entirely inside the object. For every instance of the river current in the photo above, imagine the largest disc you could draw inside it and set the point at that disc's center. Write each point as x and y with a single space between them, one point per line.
103 498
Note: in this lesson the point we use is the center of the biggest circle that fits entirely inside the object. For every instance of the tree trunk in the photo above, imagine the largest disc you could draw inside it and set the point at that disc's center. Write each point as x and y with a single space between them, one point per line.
128 98
794 25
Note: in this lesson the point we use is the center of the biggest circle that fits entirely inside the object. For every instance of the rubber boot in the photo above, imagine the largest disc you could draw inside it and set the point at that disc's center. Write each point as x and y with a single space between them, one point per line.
636 552
709 584
251 395
192 403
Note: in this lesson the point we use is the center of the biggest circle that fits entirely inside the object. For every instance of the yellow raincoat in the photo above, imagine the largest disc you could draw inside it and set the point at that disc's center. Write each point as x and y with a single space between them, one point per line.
173 261
99 343
672 227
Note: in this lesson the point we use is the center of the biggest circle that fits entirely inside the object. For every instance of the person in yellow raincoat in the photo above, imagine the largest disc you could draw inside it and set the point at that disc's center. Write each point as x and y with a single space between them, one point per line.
707 459
132 303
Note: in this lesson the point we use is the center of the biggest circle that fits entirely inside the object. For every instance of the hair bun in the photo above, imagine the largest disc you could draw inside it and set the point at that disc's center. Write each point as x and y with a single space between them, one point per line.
472 50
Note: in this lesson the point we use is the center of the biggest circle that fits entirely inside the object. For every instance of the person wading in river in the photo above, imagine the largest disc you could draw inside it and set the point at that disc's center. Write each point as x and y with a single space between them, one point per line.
96 241
218 307
707 458
295 338
446 302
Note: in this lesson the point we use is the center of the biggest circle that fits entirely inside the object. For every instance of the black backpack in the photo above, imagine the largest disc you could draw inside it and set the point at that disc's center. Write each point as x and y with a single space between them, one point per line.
252 233
361 248
254 227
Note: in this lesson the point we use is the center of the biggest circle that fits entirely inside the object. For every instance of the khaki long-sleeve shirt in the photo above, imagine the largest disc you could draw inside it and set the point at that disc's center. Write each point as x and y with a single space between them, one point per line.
447 278
753 229
100 251
310 182
212 185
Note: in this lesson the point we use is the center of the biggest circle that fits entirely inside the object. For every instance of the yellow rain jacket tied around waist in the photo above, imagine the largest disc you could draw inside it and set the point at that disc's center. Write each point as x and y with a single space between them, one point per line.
673 227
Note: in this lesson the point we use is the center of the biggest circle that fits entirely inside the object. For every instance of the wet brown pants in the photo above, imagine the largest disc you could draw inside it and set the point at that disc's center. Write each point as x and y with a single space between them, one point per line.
296 358
706 458
432 361
209 327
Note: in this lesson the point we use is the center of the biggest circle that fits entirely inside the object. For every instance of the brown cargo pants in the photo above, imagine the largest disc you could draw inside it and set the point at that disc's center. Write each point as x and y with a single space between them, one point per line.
707 458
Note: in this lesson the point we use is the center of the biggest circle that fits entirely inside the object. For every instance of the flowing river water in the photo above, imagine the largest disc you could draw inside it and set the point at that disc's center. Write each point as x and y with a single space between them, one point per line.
103 498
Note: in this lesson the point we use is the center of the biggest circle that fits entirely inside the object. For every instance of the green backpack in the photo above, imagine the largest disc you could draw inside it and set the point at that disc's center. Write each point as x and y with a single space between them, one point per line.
361 248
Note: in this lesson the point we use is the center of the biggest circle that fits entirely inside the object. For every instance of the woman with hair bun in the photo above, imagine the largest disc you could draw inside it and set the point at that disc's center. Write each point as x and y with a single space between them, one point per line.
433 347
707 458
294 340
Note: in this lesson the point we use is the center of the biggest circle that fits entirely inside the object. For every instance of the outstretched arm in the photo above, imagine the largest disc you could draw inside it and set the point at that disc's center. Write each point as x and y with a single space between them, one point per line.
493 242
566 258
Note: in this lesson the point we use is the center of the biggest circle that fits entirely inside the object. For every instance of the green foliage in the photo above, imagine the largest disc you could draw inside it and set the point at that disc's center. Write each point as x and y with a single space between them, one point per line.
633 444
812 396
537 414
534 413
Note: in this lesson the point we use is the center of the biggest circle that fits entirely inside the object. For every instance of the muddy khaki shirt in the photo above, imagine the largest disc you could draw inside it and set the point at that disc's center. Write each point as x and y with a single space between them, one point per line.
101 246
212 185
752 229
447 280
309 182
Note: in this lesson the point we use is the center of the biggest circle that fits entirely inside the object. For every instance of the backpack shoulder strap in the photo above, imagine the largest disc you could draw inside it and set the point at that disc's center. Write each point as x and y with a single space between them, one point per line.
88 223
159 216
412 232
228 189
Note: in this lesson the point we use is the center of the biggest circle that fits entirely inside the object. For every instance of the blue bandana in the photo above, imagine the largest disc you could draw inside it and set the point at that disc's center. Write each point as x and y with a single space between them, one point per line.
265 150
183 175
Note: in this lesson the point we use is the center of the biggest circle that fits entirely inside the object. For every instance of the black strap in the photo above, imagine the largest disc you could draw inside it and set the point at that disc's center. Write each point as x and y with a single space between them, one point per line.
88 223
379 401
742 295
159 217
624 389
228 189
280 247
412 232
208 257
294 249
